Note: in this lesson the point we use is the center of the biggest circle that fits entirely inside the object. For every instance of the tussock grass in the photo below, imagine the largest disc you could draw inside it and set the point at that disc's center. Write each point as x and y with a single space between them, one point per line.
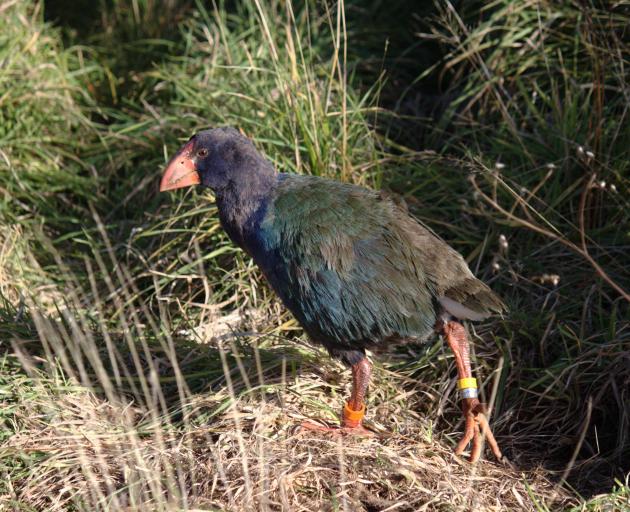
44 121
145 364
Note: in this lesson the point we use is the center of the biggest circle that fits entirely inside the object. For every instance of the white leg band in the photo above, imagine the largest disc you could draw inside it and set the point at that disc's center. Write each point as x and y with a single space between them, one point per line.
469 393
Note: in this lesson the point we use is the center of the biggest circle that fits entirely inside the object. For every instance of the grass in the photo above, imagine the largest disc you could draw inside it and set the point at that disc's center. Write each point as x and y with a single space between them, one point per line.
146 366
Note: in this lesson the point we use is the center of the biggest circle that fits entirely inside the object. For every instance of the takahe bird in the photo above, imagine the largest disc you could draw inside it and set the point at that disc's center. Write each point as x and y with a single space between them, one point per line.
355 269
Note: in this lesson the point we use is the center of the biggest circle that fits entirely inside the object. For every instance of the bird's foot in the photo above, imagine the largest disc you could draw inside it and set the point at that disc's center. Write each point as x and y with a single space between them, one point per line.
476 429
358 430
351 423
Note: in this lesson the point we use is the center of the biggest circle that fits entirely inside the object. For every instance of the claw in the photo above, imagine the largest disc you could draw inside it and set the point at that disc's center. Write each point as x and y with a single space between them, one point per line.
477 428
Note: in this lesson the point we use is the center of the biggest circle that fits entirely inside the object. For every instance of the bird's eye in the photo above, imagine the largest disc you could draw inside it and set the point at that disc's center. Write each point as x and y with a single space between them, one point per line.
202 152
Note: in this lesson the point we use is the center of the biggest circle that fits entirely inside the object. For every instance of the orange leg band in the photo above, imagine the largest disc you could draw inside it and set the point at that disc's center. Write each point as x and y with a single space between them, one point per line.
354 409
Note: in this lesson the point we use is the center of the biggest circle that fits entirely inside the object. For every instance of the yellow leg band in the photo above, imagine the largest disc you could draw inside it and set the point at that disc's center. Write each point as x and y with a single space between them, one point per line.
468 382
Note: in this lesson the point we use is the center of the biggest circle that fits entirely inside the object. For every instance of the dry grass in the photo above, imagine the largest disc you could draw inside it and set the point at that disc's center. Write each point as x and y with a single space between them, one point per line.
258 463
133 414
238 446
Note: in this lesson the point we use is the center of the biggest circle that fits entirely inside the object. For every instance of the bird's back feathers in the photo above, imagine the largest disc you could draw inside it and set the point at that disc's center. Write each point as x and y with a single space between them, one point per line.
355 269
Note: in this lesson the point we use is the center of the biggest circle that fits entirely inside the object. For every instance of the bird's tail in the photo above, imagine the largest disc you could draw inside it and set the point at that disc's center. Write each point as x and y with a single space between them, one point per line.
471 299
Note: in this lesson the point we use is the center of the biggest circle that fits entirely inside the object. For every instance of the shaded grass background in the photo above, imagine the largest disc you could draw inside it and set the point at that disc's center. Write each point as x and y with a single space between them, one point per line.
146 364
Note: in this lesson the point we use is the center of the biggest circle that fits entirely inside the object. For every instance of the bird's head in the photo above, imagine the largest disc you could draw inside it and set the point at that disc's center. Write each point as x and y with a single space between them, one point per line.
217 158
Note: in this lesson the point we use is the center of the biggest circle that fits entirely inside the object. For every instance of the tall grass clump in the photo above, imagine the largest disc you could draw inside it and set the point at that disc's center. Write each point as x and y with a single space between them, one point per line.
45 124
44 121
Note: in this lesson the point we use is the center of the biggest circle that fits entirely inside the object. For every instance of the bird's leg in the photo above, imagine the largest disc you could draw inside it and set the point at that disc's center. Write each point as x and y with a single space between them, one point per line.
354 408
474 411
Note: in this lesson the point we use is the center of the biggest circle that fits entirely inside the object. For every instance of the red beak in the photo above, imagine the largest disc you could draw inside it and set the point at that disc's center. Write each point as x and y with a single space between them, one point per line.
181 170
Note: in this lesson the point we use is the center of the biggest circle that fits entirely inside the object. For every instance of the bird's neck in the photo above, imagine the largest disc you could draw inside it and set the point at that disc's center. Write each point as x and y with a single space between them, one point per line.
241 208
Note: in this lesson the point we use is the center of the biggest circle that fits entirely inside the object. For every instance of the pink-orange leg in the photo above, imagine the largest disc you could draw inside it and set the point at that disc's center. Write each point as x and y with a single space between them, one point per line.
354 409
474 411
